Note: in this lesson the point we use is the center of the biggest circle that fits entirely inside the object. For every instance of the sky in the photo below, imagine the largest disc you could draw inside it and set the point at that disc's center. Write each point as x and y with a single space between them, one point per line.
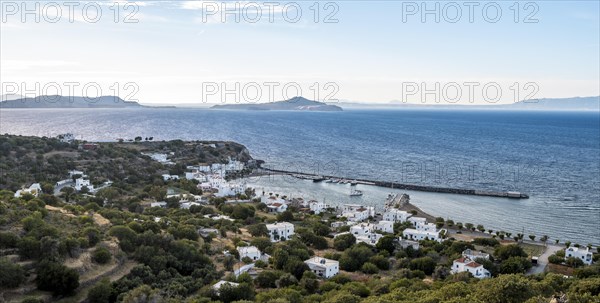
176 52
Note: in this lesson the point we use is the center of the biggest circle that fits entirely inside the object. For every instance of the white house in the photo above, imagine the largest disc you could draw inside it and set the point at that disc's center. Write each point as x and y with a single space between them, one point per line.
365 233
385 226
467 265
408 243
251 252
357 213
473 254
280 231
422 230
416 220
396 215
220 284
66 138
188 204
317 207
76 173
167 177
35 189
277 207
161 204
322 267
81 182
581 253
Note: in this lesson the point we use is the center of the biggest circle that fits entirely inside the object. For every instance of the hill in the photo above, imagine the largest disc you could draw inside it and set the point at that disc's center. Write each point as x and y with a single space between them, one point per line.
295 104
56 101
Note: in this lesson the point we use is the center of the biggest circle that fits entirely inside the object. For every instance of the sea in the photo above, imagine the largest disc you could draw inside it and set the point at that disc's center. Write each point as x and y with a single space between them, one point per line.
554 157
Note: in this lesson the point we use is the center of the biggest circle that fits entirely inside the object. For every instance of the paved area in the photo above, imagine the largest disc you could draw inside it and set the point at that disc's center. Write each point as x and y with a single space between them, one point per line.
543 259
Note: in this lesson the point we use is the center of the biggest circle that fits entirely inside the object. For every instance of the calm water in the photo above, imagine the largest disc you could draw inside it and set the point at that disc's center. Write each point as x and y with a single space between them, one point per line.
554 157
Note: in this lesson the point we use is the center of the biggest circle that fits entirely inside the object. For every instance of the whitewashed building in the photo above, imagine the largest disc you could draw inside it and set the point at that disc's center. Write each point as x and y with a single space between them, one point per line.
474 255
82 182
467 265
167 177
161 204
251 252
280 231
322 267
276 207
385 226
416 220
357 213
423 231
317 207
34 189
396 215
582 253
365 233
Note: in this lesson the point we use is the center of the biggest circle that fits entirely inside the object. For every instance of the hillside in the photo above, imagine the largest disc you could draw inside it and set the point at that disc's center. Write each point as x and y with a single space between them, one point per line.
293 104
56 101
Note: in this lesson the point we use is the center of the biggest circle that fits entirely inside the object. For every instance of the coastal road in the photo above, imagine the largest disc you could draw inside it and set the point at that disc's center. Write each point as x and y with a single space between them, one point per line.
543 259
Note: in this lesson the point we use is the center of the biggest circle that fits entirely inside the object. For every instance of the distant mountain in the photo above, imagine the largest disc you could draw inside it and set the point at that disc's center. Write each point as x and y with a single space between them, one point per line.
8 97
296 104
554 104
69 102
576 103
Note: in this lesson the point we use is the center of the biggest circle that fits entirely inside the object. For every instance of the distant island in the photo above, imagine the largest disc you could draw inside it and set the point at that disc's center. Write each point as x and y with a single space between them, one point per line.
56 101
549 104
294 104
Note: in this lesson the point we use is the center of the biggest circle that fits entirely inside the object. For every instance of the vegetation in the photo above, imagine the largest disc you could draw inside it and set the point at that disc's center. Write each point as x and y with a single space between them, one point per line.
164 259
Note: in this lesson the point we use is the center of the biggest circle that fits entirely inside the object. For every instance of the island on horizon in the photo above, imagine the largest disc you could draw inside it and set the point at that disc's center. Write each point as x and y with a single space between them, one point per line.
294 104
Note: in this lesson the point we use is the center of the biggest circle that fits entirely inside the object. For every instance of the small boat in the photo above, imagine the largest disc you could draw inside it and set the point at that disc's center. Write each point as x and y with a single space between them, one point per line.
318 179
355 193
353 183
328 181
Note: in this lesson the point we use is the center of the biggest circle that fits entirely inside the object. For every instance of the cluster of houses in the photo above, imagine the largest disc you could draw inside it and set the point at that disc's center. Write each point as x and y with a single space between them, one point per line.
371 232
212 178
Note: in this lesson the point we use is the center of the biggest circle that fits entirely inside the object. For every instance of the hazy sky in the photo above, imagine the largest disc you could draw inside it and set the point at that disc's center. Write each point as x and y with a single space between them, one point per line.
369 51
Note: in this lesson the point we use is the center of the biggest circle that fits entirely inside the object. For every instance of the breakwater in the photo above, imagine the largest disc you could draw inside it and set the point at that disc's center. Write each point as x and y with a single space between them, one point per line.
425 188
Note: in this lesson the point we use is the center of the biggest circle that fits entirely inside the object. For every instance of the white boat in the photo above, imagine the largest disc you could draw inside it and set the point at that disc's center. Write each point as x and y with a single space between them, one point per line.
355 193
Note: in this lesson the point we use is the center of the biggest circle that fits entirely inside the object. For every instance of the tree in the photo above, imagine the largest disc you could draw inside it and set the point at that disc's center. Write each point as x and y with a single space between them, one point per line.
532 237
504 289
544 238
469 226
267 279
369 268
506 251
386 243
353 258
100 293
480 228
344 242
258 230
11 275
514 265
424 264
57 278
574 262
101 255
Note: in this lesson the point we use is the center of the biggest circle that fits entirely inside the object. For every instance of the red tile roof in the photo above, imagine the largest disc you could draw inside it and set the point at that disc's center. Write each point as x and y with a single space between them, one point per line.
461 260
473 264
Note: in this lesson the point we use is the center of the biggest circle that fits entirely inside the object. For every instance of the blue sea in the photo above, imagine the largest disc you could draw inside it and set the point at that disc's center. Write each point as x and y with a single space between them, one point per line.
552 156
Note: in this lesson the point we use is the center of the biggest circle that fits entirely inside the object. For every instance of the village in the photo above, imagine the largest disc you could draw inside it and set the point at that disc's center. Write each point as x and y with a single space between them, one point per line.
247 230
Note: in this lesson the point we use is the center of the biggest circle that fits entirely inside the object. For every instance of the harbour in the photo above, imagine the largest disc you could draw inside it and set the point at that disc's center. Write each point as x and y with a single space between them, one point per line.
396 185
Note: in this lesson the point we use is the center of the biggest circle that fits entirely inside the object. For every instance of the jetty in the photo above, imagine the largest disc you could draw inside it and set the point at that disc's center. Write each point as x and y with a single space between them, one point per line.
424 188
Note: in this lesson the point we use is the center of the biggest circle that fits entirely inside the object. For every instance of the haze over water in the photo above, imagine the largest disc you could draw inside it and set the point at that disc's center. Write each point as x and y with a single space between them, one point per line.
554 157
